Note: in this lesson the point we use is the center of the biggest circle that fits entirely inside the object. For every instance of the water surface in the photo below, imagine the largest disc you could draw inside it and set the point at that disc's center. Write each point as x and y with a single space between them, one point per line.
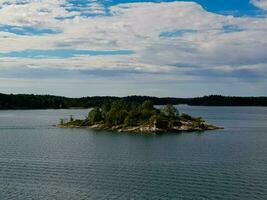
39 161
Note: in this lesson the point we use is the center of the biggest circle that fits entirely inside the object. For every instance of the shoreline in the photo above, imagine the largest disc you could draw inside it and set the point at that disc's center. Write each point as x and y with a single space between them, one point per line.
148 129
82 108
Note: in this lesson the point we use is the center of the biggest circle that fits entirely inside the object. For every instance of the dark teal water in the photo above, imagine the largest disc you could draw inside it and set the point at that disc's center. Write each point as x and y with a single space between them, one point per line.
38 161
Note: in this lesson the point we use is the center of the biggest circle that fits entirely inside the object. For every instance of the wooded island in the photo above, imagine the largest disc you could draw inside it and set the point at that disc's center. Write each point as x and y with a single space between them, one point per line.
122 116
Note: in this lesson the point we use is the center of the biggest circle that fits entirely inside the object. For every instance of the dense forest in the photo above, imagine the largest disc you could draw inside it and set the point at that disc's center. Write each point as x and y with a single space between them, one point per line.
30 101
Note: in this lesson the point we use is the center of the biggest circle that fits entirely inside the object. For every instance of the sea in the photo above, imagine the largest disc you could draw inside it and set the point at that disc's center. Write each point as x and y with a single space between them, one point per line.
41 161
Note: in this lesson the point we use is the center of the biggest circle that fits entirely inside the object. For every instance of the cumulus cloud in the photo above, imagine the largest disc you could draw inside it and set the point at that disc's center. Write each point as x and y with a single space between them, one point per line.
262 4
197 40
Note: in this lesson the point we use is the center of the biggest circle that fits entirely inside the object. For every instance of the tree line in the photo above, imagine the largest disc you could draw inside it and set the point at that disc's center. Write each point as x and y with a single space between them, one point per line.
30 101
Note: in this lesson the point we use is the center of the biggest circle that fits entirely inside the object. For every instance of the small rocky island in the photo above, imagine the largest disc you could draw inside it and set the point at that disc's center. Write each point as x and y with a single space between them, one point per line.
122 116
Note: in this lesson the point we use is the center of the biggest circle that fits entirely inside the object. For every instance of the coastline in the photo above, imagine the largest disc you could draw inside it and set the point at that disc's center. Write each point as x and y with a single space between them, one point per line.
185 127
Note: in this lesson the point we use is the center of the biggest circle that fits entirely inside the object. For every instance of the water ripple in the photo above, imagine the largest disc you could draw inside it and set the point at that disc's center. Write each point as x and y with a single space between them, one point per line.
38 161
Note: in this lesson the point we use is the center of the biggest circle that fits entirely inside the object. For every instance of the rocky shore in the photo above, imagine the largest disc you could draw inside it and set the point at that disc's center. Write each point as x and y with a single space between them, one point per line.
186 126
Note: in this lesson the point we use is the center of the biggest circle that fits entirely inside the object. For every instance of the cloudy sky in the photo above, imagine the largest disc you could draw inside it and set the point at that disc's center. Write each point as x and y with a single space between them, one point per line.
126 47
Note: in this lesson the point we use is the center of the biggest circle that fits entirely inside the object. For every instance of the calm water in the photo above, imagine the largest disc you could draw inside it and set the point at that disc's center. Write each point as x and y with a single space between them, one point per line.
38 161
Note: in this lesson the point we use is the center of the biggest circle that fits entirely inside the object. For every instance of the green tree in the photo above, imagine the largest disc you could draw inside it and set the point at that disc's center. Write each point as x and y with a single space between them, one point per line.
95 115
115 117
133 118
147 105
71 118
170 111
186 117
119 105
105 107
159 121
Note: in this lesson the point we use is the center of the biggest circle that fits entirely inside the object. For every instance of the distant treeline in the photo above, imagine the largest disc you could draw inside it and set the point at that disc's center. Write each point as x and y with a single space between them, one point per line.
217 100
29 101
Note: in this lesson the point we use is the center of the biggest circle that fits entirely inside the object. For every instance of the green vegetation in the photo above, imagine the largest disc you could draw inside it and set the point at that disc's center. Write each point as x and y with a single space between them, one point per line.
122 113
30 101
138 117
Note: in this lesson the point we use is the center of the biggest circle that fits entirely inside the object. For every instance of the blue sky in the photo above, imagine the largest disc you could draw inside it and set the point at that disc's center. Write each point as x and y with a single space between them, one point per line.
160 48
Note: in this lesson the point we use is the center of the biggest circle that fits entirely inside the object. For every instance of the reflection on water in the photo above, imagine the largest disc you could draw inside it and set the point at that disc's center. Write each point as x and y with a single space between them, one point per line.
39 161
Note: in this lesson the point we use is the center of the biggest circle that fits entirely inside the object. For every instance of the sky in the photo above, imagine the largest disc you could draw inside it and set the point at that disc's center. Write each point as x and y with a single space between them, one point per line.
133 47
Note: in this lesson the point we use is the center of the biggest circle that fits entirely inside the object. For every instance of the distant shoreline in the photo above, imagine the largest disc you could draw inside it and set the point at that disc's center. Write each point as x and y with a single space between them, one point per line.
82 108
34 102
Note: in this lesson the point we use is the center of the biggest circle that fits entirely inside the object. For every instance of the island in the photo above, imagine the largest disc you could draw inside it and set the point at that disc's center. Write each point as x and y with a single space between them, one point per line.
122 116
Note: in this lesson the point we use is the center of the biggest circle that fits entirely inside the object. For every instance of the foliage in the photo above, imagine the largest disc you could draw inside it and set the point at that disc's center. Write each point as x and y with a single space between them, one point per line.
198 121
129 114
185 117
71 118
170 111
119 113
147 105
95 116
133 118
105 107
160 121
115 117
30 101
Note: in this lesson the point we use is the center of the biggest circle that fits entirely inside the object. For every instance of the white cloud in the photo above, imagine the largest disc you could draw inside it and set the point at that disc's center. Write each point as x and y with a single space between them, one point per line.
137 27
262 4
120 62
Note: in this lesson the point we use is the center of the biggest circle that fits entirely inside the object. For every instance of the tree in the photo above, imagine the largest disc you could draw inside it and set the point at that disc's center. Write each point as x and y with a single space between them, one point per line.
133 118
170 111
186 117
159 121
115 117
105 107
95 115
71 118
147 105
119 105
